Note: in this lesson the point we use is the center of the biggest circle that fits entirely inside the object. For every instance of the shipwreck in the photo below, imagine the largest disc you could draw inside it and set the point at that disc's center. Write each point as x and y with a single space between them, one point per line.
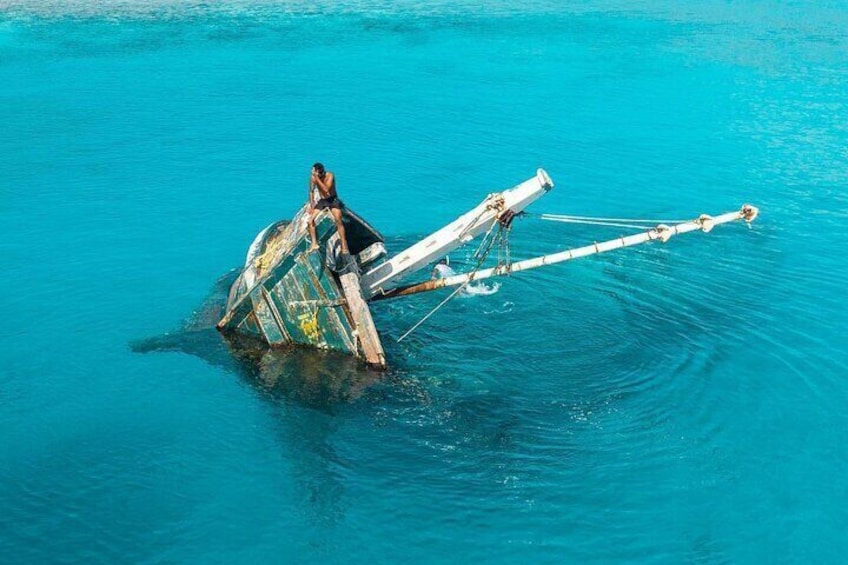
289 295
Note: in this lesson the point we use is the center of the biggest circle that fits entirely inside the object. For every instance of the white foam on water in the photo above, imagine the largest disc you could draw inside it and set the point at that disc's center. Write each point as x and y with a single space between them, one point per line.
442 271
480 289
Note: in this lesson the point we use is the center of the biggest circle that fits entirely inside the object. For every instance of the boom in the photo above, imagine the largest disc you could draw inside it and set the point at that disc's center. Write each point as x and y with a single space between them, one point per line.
468 226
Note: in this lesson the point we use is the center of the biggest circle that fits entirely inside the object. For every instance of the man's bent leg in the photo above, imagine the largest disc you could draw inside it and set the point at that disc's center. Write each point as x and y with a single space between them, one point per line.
337 216
312 235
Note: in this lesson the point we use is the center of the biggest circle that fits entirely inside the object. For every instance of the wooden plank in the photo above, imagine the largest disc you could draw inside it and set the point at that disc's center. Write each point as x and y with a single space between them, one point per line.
276 314
306 319
249 326
334 334
284 296
327 288
366 331
267 323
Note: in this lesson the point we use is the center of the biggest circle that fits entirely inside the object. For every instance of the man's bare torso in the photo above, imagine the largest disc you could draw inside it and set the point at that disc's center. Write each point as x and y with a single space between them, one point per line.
327 186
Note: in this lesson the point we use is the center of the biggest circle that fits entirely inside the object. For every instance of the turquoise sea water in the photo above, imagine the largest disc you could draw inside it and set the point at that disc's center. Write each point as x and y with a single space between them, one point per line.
674 404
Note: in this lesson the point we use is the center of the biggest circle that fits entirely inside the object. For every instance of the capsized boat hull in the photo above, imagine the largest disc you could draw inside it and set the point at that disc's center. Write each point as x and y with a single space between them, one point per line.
287 295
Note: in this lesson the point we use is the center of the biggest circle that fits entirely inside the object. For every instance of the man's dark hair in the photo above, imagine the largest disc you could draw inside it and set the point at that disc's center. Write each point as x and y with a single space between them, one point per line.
318 167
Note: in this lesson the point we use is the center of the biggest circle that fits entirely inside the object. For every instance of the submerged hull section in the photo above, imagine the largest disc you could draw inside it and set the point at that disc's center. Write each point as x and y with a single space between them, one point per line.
287 295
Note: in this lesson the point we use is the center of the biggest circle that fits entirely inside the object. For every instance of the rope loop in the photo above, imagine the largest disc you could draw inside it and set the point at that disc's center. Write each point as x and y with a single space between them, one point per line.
664 232
749 213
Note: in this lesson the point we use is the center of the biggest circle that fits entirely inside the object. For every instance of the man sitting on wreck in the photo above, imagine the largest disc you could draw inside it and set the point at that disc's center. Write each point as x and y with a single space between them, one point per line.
324 183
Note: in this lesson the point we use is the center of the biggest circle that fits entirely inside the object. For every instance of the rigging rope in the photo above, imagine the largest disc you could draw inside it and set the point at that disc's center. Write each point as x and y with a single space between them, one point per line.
634 223
504 256
492 201
501 239
491 243
484 242
598 223
599 219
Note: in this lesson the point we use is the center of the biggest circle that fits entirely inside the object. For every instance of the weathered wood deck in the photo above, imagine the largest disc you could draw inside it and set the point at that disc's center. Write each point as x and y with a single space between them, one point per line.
288 295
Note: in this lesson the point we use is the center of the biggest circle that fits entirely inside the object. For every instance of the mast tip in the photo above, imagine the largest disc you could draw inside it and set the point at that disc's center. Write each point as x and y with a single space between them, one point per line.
749 212
544 180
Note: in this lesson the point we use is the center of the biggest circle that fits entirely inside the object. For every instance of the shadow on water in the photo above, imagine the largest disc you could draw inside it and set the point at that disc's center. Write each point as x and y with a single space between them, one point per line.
423 411
324 382
314 378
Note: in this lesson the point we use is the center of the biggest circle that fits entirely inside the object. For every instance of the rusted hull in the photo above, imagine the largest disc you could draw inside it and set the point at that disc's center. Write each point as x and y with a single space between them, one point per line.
288 295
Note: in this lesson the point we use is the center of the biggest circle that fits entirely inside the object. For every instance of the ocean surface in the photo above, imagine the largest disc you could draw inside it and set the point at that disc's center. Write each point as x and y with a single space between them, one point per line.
677 403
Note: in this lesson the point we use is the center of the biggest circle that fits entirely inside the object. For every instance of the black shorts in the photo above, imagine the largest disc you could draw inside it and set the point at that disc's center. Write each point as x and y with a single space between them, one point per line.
331 202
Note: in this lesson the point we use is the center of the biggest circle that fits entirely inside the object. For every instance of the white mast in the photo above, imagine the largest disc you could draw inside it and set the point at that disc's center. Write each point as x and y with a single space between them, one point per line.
471 224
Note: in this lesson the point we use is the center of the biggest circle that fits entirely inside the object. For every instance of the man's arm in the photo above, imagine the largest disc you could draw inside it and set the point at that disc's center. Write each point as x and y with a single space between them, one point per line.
327 183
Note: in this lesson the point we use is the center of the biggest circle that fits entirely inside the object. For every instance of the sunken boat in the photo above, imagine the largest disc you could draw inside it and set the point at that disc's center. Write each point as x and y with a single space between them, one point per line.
289 295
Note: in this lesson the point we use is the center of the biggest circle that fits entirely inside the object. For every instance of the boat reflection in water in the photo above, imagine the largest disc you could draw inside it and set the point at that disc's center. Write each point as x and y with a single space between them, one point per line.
312 377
